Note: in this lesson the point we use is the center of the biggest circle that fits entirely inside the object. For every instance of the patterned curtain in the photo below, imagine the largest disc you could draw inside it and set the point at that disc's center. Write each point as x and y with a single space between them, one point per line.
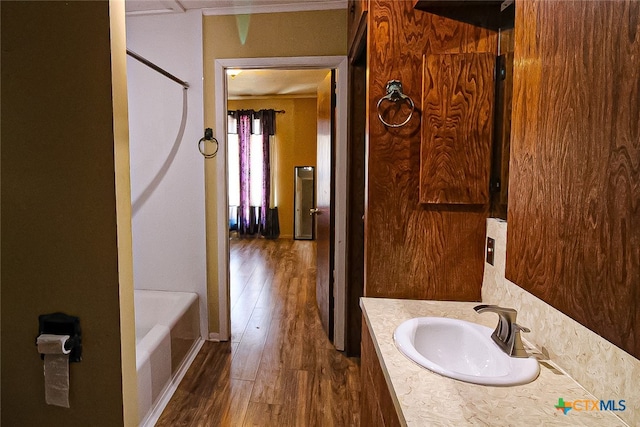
244 140
262 219
270 222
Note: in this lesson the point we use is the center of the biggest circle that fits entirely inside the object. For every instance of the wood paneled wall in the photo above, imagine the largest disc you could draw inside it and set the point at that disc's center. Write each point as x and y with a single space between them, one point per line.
414 250
574 195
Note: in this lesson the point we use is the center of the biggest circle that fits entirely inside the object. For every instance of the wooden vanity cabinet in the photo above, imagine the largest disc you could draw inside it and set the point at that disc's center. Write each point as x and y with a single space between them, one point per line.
376 404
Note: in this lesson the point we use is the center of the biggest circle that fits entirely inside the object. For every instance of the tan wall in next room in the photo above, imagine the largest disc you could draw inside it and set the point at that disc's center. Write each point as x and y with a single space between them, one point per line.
296 146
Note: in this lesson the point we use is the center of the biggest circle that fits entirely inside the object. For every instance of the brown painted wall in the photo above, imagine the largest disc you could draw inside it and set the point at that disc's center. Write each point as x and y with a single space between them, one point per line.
415 250
59 235
574 195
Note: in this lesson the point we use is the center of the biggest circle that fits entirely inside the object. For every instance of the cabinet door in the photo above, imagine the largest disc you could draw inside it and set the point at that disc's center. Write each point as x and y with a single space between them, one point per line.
377 407
457 127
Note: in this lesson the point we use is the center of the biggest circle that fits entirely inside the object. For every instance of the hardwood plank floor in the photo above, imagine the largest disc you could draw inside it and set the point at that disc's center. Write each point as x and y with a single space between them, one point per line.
279 369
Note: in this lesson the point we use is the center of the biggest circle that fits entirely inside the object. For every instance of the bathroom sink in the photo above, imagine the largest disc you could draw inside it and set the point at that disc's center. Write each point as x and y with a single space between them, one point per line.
462 350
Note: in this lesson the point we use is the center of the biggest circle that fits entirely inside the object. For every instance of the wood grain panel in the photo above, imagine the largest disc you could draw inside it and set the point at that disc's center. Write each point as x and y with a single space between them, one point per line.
370 413
413 251
574 202
324 203
457 120
376 406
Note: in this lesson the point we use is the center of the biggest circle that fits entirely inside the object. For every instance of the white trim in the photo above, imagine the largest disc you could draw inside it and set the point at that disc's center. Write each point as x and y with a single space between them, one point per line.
340 201
222 204
302 6
214 336
152 12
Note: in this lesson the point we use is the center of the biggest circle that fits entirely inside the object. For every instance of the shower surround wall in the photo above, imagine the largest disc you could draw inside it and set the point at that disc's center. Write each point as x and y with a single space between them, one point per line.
167 175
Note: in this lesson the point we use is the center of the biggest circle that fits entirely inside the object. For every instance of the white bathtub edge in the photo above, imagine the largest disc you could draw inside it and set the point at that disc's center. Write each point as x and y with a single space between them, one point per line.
152 416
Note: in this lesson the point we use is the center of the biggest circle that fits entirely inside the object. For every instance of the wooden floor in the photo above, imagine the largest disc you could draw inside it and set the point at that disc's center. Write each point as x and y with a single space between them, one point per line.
279 368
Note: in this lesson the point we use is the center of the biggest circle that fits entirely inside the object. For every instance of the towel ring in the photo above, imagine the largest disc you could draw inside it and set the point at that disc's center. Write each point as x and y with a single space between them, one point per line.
208 136
394 94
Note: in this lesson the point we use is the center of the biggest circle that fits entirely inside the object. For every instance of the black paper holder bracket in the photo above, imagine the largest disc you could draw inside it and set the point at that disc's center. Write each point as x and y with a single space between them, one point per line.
63 324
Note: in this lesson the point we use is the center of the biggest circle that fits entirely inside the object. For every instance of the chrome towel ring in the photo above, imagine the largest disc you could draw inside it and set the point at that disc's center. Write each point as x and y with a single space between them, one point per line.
208 136
394 94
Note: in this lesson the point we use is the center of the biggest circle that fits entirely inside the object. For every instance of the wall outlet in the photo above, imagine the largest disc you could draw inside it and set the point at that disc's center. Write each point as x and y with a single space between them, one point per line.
491 249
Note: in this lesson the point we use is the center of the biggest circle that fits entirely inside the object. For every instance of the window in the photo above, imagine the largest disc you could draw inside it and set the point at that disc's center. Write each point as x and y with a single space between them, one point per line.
256 169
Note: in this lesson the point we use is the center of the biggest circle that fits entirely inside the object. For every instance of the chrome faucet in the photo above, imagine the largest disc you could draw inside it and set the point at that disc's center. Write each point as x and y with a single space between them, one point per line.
507 333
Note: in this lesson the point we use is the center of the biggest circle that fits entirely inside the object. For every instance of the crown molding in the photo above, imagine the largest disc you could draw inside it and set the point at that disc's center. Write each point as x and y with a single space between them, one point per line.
160 7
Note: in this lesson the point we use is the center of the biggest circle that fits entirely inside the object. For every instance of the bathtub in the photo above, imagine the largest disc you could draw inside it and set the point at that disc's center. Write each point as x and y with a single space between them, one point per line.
167 334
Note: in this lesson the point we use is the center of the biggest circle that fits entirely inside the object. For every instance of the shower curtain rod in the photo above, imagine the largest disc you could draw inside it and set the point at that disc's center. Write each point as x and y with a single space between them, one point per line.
158 69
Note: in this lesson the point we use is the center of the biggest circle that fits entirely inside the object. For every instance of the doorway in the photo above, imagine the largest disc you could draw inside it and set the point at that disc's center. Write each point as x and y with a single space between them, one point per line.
339 64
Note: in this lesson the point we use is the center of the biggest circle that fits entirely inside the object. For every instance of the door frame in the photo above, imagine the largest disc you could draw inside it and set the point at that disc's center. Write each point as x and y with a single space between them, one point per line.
340 64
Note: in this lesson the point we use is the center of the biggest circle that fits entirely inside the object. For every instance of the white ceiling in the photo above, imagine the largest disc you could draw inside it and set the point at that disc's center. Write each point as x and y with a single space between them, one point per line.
250 83
266 83
229 7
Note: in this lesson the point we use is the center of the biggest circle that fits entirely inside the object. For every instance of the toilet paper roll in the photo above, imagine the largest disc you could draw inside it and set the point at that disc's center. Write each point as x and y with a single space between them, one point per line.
52 344
56 368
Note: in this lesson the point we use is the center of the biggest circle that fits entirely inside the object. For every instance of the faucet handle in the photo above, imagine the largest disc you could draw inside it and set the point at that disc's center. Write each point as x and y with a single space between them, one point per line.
517 348
507 332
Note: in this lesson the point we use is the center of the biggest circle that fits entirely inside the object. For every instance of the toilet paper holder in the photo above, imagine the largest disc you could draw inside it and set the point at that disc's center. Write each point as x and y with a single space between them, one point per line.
63 324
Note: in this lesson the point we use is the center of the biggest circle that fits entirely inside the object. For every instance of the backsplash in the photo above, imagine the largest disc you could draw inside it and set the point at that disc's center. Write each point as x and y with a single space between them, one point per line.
603 369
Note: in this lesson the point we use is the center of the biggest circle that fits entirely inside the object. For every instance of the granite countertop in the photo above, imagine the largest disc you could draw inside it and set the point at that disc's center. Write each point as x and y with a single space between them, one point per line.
425 398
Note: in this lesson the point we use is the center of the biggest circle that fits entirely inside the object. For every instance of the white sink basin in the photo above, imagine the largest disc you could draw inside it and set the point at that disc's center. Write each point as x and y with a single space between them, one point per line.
462 350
